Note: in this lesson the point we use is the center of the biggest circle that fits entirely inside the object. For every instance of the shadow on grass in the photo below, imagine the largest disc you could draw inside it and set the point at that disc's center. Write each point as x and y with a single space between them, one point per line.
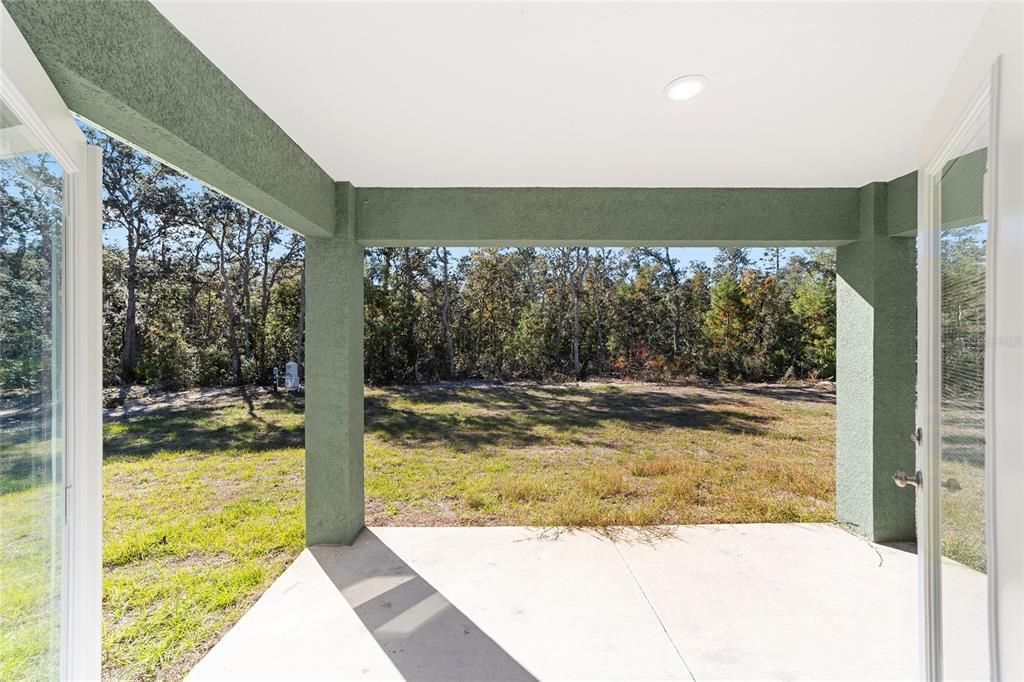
788 393
204 424
25 448
514 416
23 472
215 420
511 415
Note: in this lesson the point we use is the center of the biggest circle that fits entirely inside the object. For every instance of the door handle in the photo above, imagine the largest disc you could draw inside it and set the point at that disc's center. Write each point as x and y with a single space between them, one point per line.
903 479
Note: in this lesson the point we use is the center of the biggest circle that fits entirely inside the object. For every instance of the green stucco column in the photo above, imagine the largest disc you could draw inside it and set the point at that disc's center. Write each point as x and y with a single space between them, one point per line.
334 382
876 311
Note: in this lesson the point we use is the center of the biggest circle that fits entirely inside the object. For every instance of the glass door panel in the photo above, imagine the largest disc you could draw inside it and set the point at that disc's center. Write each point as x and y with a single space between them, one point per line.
32 212
963 263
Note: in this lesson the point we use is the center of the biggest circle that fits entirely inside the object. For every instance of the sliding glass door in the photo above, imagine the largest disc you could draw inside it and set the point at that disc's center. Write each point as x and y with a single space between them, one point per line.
50 361
962 490
32 213
955 405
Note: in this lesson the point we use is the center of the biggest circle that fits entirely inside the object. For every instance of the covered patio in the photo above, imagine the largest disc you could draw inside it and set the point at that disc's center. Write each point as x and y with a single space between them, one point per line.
757 601
526 125
206 108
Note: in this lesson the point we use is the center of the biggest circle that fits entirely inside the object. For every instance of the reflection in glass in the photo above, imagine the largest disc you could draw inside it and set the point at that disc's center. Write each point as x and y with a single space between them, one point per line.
963 242
31 404
962 467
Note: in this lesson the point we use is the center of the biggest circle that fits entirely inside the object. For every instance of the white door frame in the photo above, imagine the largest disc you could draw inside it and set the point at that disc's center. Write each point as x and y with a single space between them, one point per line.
27 90
81 646
983 104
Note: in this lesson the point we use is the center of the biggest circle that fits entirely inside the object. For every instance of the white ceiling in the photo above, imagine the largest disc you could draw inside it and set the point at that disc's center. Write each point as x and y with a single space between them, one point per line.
432 95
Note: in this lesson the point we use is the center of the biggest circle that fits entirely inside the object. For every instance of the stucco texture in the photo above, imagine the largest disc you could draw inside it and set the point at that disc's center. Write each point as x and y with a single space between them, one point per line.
334 383
124 67
876 290
540 216
901 206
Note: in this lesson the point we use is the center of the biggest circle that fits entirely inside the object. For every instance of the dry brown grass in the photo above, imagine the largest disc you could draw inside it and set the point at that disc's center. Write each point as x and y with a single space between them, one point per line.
599 455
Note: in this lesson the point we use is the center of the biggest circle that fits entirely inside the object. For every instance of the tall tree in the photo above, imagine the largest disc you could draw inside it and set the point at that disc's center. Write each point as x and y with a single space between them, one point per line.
773 258
138 193
674 280
446 303
579 260
725 325
300 337
31 216
732 262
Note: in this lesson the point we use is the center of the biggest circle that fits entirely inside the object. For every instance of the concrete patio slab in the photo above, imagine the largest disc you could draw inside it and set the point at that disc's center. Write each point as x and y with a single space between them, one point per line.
784 602
759 601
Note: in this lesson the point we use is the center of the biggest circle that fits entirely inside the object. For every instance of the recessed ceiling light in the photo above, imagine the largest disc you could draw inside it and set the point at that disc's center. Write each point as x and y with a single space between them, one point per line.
686 87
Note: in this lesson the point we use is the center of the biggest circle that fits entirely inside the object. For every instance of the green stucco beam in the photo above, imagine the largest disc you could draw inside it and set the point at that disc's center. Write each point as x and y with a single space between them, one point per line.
122 66
533 216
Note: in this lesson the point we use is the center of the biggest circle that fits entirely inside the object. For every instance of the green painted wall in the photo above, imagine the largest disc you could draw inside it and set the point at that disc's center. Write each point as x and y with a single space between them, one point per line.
605 216
122 66
876 289
334 382
901 206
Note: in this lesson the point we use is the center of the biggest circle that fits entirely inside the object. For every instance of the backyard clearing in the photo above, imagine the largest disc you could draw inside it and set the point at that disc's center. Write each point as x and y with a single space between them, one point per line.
598 455
203 490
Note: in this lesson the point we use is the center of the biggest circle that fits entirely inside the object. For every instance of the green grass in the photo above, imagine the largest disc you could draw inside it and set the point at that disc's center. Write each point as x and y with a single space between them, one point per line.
29 566
28 601
963 515
203 495
193 534
962 510
593 455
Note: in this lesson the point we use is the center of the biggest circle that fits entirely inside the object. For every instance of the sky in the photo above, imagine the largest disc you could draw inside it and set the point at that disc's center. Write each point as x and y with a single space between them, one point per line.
686 254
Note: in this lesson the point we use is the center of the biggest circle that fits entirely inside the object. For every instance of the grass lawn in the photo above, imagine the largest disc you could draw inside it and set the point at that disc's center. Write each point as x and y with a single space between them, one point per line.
203 491
29 631
963 465
202 509
598 455
29 561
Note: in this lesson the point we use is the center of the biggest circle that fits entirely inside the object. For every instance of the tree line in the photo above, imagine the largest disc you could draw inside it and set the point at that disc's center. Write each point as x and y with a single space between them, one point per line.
573 313
200 290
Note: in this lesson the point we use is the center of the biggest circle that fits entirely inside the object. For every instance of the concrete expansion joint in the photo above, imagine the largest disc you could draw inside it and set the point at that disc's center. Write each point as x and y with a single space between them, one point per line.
654 611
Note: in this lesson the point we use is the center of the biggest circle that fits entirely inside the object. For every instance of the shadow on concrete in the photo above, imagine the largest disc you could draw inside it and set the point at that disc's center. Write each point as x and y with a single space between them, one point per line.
423 634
